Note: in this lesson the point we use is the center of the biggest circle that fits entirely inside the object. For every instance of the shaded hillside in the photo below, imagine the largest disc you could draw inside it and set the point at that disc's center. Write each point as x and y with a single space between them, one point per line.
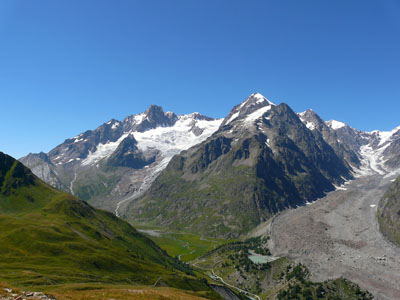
389 213
49 237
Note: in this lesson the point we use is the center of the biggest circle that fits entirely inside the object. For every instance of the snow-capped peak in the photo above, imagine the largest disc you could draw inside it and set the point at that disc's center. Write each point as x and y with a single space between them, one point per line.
195 116
308 111
260 99
257 98
335 124
302 114
249 110
309 118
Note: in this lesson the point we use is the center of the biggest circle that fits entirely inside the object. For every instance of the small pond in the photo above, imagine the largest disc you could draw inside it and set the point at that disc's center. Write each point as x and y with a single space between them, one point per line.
261 259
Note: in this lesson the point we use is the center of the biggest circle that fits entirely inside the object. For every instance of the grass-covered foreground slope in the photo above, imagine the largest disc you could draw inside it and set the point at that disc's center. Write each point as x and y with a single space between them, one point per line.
48 237
389 212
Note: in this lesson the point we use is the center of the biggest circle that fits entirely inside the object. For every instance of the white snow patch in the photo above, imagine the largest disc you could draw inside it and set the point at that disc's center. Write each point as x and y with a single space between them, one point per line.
372 205
385 136
115 125
340 188
233 117
310 125
102 150
169 140
139 118
260 99
335 124
371 161
257 114
172 140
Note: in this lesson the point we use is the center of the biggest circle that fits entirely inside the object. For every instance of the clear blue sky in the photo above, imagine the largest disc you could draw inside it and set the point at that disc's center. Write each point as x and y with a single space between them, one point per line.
68 66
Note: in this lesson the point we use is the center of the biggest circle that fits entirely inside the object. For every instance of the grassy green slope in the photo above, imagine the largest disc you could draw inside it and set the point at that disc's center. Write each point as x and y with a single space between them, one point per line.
48 237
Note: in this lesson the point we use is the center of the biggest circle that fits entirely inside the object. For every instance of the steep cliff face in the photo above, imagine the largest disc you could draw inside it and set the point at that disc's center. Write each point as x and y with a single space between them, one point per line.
343 148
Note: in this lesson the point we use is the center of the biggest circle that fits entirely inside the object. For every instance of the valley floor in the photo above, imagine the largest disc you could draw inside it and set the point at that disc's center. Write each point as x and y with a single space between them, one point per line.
339 235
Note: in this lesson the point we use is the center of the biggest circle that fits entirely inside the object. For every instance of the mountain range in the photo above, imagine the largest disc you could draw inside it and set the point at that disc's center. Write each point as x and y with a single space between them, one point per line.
220 176
119 159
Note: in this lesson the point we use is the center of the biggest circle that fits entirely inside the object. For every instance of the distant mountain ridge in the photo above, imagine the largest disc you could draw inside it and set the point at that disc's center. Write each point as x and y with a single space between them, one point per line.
120 159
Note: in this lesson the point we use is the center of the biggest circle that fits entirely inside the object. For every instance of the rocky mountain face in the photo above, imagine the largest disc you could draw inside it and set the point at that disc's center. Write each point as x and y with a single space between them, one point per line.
389 212
114 163
375 152
41 165
345 150
129 155
378 150
389 146
262 159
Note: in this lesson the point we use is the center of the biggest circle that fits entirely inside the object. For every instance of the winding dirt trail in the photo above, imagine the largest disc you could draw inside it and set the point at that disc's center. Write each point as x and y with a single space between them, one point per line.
339 235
